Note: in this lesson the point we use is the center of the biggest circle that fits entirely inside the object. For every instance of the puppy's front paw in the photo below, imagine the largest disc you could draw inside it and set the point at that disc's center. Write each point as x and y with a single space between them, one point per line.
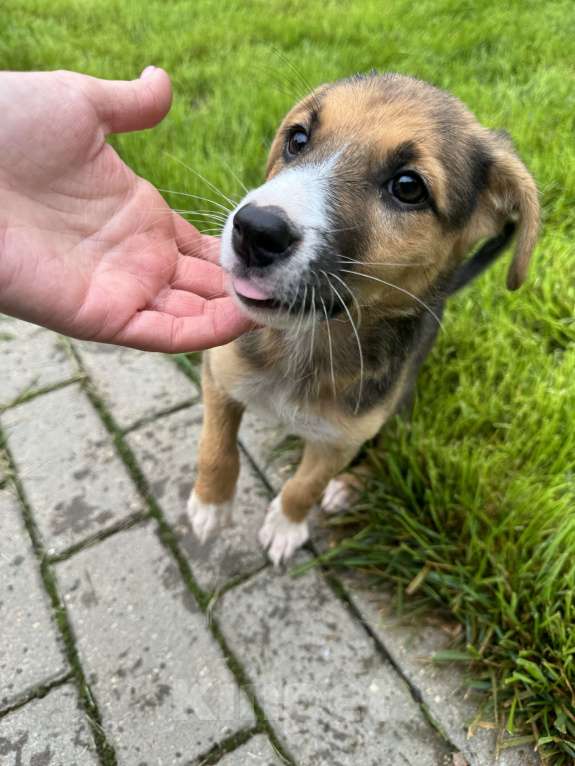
206 518
280 536
339 495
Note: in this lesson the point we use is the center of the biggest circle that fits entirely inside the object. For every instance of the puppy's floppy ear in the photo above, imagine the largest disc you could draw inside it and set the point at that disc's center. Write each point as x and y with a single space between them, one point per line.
515 198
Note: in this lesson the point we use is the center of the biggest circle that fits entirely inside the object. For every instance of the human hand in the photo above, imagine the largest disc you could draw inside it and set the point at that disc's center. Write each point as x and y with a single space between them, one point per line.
87 248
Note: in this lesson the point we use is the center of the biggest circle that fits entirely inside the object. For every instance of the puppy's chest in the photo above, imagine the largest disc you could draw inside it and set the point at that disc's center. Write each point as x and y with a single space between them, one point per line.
279 399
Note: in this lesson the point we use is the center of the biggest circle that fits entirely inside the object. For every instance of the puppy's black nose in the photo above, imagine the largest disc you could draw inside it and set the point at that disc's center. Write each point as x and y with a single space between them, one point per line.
261 236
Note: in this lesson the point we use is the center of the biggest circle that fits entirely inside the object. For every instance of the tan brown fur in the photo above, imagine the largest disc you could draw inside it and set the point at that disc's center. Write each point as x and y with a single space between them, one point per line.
319 464
218 459
218 456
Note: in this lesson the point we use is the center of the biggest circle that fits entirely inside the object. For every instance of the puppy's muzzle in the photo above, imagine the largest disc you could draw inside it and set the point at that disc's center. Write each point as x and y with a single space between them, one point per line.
262 236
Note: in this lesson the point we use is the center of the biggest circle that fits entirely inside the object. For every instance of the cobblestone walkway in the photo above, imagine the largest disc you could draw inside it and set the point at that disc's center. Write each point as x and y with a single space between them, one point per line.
122 641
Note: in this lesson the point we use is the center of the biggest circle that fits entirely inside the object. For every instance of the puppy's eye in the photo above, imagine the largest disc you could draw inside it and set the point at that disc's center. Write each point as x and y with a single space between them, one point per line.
297 141
408 188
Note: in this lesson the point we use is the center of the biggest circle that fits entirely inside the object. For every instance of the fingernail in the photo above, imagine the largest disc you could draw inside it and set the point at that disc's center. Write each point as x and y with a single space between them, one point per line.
148 71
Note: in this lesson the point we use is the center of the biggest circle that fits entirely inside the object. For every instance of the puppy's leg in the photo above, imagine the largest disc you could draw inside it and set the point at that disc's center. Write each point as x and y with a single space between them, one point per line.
210 503
285 528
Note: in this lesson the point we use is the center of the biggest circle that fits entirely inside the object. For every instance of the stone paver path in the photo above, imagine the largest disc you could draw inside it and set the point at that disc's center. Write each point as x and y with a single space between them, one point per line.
123 641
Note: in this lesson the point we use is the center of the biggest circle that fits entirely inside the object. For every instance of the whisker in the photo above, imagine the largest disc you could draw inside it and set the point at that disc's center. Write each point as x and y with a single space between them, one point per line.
302 316
357 340
331 296
299 75
332 231
197 196
181 211
292 303
204 213
287 86
204 179
292 362
353 297
204 221
345 259
280 86
299 323
330 346
234 176
312 338
401 290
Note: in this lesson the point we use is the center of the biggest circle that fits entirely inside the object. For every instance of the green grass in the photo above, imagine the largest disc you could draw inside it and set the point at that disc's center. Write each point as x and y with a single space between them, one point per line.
476 495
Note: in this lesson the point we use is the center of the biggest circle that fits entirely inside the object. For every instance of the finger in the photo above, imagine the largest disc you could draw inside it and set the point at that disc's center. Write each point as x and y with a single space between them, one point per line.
188 238
219 322
125 105
200 277
181 303
191 242
211 248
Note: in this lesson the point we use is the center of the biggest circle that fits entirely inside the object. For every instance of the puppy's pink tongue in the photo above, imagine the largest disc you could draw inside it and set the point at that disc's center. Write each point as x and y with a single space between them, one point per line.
248 289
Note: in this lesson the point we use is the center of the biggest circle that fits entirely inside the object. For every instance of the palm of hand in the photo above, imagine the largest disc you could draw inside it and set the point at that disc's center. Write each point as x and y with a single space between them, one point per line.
96 250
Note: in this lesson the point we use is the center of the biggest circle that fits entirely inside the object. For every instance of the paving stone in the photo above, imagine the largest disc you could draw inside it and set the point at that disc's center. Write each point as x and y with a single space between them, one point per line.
135 384
32 358
161 683
166 451
325 688
51 731
256 752
72 475
442 687
29 649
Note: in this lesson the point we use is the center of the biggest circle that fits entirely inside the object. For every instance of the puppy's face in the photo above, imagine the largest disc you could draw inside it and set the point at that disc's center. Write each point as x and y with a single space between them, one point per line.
377 187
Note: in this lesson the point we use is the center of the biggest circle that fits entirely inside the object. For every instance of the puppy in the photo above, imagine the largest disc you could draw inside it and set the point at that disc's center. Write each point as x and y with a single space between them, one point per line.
377 189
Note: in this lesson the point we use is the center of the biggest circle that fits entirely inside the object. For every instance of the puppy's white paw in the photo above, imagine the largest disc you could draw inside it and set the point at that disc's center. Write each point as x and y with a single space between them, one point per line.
338 496
206 518
280 536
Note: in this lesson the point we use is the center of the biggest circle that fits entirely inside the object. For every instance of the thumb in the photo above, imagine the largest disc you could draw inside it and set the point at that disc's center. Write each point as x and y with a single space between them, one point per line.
125 105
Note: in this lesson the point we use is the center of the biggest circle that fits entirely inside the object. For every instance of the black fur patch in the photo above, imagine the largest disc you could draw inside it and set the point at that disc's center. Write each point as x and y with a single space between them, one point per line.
251 349
400 156
467 166
387 347
483 258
